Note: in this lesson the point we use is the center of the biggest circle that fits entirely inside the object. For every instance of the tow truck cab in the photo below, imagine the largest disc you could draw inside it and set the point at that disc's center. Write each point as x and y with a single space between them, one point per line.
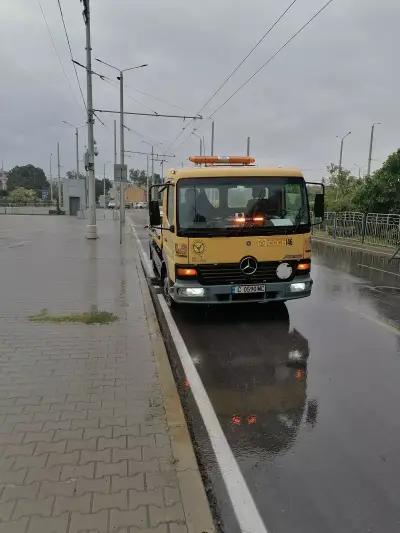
232 232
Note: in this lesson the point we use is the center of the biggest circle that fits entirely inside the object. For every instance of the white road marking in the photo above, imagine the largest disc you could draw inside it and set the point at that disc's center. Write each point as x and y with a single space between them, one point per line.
146 260
379 270
243 504
242 501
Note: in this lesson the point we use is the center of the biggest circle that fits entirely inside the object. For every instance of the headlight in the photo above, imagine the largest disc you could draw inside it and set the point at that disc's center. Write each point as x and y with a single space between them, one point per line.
298 287
192 291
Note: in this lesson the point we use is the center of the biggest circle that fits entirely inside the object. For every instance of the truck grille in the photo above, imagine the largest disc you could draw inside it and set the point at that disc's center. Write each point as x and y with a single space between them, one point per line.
230 273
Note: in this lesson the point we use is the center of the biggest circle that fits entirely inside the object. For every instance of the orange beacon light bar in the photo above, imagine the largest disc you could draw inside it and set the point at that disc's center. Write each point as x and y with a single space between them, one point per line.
217 160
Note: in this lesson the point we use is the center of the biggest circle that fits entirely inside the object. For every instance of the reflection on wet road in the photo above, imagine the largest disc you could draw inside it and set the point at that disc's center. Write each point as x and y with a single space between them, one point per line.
308 394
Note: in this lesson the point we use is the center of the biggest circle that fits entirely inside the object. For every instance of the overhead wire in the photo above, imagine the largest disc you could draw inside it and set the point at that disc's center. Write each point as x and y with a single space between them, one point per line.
161 100
222 85
70 52
271 58
217 91
56 52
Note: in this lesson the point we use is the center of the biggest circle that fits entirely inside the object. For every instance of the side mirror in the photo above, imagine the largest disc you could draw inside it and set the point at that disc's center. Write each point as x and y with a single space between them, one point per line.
154 213
319 206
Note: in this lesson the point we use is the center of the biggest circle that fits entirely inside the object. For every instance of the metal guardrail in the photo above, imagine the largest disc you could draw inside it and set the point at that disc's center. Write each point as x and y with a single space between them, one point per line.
372 228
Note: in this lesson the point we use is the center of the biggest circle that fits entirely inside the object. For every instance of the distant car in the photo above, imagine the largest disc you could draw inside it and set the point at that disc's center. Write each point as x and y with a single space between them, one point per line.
141 205
111 204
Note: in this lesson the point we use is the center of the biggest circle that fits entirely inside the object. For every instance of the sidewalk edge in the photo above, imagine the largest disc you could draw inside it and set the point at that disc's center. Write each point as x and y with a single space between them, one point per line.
193 495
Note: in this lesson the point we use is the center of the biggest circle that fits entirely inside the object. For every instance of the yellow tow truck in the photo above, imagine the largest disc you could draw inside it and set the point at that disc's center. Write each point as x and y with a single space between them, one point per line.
232 232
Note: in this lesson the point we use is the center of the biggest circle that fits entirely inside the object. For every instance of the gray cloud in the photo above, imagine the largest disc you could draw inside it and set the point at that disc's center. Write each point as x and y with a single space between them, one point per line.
340 74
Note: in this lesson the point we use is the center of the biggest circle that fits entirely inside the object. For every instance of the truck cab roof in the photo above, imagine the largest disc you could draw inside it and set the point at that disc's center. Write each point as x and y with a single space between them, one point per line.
214 171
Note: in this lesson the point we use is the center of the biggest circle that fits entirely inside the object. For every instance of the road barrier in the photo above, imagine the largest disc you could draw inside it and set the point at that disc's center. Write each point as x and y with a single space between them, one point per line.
370 228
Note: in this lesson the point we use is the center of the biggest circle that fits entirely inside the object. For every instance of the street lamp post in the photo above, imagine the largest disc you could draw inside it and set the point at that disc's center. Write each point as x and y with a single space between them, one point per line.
201 142
370 147
51 179
341 158
122 147
77 128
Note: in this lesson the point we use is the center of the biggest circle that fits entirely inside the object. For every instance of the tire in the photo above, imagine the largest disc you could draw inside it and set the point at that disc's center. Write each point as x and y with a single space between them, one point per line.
153 263
168 300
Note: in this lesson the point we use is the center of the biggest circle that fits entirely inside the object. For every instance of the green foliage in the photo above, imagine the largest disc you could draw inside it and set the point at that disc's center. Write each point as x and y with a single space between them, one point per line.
22 196
71 175
138 177
341 190
92 317
381 192
28 177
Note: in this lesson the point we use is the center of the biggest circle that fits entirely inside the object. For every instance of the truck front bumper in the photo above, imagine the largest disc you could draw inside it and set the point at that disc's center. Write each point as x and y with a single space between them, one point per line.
299 287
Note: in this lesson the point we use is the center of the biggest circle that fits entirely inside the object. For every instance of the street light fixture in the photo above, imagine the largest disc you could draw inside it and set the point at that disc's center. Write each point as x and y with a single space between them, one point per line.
122 147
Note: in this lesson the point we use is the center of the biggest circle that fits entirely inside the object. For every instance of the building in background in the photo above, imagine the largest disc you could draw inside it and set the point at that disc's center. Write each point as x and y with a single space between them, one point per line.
74 196
3 180
134 194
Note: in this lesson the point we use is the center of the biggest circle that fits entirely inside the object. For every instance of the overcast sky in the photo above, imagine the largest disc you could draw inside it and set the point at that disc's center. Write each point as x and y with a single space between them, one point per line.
340 74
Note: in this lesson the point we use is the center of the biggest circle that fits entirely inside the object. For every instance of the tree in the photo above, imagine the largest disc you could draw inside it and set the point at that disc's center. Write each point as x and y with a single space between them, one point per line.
381 192
341 190
100 187
71 175
138 177
22 196
156 179
28 177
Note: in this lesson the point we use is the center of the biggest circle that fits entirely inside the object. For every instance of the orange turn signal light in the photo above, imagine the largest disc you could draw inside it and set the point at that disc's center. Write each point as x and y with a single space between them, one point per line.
304 266
186 272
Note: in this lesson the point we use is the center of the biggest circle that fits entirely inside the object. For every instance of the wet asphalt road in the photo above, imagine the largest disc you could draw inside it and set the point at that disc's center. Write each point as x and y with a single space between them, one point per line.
308 396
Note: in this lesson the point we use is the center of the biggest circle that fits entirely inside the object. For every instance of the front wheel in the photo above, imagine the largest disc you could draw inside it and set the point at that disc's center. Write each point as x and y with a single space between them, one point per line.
166 288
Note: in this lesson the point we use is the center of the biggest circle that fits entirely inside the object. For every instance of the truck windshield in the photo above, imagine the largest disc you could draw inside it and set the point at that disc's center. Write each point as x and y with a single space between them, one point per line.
244 204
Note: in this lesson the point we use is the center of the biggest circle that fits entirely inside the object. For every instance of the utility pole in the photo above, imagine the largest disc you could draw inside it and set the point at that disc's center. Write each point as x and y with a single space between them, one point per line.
104 189
91 229
122 147
152 166
371 143
248 145
147 176
341 159
162 169
115 142
51 179
212 137
122 152
77 153
59 174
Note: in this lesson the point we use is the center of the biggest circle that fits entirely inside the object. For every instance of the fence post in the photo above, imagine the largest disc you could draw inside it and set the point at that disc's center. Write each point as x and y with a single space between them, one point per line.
334 225
364 227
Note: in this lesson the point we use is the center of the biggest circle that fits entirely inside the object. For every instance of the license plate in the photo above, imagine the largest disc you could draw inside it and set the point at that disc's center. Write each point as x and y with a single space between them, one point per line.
248 289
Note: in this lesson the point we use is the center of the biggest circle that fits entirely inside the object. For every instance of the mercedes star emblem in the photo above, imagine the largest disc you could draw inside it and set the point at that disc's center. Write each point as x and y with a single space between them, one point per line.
248 265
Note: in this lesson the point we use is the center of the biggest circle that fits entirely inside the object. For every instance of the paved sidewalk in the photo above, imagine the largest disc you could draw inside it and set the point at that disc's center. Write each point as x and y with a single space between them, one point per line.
84 439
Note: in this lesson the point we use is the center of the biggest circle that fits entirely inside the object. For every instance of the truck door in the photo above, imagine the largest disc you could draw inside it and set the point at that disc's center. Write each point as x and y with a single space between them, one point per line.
169 237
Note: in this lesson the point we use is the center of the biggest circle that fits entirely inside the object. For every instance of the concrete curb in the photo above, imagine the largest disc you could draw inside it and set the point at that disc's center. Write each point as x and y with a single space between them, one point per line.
194 500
